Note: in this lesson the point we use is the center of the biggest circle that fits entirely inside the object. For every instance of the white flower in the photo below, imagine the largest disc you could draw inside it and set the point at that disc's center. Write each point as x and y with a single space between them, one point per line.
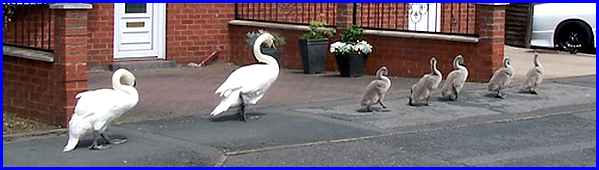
345 48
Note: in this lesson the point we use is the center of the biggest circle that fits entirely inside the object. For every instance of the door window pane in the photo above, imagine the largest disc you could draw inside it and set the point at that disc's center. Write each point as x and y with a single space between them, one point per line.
135 8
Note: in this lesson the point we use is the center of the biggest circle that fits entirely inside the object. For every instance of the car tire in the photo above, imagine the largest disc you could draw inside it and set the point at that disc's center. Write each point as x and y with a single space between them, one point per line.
574 36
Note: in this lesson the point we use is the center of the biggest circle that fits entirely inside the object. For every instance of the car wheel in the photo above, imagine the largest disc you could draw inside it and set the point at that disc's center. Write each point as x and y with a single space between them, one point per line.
574 36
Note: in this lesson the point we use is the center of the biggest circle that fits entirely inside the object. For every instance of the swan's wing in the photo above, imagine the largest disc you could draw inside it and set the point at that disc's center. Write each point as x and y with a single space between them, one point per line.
376 87
432 81
97 102
248 79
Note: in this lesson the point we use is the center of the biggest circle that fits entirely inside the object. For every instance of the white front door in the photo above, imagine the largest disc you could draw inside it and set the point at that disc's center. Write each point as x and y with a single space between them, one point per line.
424 17
139 30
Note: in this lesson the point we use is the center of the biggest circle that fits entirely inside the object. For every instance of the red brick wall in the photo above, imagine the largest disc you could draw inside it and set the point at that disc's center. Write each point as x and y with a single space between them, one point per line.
195 30
31 89
405 57
458 18
46 91
101 34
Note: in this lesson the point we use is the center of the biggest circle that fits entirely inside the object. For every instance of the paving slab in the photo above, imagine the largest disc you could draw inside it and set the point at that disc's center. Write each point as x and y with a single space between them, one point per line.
472 103
261 130
142 149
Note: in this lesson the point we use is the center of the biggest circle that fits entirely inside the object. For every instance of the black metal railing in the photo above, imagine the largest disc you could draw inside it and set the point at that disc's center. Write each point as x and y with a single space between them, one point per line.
442 18
28 26
289 13
445 18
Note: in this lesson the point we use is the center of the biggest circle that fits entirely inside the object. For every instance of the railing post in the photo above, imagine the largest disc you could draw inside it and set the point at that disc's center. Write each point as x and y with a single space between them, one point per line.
491 30
236 10
71 52
354 13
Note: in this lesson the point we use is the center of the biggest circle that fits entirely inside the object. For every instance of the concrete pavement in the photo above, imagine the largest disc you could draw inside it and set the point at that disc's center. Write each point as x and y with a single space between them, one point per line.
554 128
185 91
556 63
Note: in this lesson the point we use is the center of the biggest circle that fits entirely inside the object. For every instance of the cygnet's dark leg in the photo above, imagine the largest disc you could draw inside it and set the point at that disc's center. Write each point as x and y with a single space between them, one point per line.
113 141
95 145
381 103
410 102
428 100
455 93
533 91
242 109
499 94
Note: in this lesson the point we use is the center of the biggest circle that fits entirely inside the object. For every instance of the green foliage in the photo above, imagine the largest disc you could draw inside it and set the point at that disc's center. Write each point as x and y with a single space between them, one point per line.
318 31
279 39
352 35
252 36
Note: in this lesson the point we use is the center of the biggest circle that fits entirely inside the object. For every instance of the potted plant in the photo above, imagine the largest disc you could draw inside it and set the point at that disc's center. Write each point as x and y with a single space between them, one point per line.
271 51
351 52
313 47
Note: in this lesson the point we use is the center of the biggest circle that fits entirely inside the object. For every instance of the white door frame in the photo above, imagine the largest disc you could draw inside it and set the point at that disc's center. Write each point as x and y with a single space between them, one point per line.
158 31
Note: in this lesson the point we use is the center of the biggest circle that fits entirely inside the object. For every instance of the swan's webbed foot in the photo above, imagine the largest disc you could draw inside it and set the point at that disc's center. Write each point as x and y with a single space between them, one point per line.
500 95
114 141
99 147
96 146
382 105
533 91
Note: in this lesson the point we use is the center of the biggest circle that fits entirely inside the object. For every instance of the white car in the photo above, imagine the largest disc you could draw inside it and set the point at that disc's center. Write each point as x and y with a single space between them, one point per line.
569 26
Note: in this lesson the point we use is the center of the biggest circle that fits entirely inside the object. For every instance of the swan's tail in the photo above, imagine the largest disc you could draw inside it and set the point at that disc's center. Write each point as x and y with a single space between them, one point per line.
71 144
224 104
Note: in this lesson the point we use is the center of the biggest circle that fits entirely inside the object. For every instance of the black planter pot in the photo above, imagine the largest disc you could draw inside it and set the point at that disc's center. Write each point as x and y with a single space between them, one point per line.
274 52
351 65
313 54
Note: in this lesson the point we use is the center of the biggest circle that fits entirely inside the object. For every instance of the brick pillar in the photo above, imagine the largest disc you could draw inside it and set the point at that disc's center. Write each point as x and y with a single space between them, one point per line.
71 42
491 31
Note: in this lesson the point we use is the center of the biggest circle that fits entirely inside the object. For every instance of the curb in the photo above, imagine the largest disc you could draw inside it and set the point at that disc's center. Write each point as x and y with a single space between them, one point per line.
12 137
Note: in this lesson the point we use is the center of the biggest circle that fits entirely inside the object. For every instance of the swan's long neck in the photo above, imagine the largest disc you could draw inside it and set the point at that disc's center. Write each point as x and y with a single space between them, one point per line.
379 74
116 79
117 85
263 57
537 63
460 66
456 62
386 79
131 91
434 68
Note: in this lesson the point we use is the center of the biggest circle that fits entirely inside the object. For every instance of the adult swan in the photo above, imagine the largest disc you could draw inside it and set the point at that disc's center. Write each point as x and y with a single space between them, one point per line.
247 84
96 109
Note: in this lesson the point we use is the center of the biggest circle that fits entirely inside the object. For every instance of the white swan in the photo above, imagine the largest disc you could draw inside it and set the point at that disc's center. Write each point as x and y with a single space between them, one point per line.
501 78
420 93
534 77
376 90
248 84
96 109
455 80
